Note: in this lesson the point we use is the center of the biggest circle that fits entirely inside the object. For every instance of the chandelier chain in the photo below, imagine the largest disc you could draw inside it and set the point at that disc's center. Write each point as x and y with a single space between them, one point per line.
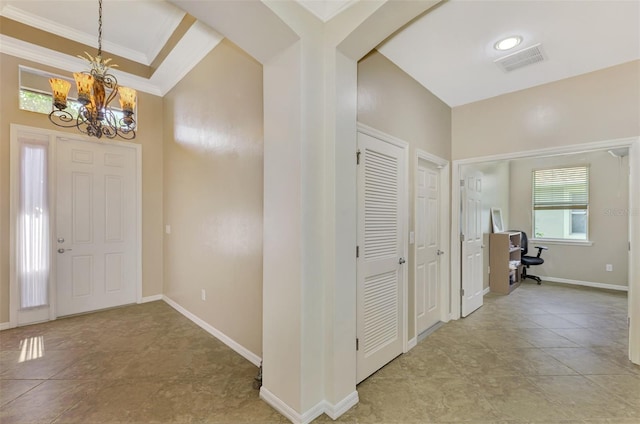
99 27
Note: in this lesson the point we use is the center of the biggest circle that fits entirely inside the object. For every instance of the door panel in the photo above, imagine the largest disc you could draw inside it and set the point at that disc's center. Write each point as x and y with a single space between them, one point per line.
427 246
81 272
95 226
114 197
381 223
472 257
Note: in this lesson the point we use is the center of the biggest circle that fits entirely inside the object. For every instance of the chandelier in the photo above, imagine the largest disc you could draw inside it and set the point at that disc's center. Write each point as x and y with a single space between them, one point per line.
96 89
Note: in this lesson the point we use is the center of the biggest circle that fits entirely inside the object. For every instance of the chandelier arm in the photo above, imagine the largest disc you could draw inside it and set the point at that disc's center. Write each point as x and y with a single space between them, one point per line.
127 128
62 118
129 135
112 83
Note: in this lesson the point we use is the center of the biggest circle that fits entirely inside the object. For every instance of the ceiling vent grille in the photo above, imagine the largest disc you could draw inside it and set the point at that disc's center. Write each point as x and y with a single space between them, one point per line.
522 58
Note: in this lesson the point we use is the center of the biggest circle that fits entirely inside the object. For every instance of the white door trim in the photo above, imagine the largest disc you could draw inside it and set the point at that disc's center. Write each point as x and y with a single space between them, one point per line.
634 222
443 230
14 178
365 129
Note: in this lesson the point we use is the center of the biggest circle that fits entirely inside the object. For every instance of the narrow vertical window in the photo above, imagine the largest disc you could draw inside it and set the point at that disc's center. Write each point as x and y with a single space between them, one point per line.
33 227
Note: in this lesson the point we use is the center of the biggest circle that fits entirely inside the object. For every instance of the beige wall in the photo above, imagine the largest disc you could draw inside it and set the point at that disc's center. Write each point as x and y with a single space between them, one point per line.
213 198
391 101
495 194
149 136
608 219
601 105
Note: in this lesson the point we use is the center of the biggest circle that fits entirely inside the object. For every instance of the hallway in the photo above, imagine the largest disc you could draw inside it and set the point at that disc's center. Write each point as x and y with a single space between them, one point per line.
544 354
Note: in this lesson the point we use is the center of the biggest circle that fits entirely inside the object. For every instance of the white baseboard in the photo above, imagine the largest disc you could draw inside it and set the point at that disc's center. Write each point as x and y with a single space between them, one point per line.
284 409
584 283
153 298
5 325
335 411
241 350
313 413
487 290
412 343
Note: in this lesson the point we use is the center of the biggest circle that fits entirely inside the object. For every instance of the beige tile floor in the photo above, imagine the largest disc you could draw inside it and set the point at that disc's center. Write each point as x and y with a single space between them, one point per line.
544 354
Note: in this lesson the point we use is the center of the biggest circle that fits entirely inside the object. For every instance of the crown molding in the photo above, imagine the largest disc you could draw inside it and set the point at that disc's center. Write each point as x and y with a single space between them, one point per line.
325 10
197 42
168 27
47 25
47 57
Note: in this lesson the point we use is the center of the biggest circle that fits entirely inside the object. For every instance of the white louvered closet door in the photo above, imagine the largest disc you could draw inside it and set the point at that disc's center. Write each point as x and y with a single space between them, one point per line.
381 229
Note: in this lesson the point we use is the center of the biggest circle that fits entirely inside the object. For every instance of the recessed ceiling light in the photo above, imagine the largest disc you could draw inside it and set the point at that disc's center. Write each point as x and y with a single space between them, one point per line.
508 43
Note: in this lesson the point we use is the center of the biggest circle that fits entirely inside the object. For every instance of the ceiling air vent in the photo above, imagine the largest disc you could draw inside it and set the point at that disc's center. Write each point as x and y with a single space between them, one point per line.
520 59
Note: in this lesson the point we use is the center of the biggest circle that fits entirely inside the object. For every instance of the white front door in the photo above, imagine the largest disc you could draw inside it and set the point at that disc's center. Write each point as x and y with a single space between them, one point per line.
427 245
472 257
96 233
381 243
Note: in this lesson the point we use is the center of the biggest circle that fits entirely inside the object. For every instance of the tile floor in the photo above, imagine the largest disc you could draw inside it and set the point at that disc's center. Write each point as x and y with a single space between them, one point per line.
544 354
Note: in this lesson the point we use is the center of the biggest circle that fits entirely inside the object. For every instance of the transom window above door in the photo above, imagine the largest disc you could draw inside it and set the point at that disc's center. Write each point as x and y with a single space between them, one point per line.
35 93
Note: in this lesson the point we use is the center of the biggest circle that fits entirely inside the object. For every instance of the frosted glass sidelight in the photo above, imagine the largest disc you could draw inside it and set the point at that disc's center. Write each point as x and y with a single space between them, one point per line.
33 227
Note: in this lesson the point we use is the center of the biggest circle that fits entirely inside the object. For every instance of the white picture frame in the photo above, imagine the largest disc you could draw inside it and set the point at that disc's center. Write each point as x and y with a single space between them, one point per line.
496 220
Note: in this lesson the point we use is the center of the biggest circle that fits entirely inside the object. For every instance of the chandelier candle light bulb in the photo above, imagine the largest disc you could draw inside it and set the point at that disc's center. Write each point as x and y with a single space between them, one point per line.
127 102
84 82
60 90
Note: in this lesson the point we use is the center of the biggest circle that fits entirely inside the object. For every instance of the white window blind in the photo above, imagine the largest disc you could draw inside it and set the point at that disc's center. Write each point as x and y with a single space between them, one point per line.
33 227
561 188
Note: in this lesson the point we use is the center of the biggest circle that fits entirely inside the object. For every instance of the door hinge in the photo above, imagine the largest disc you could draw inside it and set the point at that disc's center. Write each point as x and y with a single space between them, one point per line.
462 291
489 270
629 246
357 251
461 183
461 237
358 157
357 344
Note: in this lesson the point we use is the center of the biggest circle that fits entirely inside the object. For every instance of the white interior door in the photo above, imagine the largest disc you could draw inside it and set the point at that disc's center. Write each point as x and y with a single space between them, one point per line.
382 245
472 258
96 227
427 245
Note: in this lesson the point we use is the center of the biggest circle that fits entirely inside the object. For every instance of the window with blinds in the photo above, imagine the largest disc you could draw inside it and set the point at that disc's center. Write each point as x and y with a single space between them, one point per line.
561 203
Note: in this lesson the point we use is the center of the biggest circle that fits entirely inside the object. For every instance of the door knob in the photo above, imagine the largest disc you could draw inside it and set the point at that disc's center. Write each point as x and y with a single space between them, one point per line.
401 261
61 250
439 252
60 240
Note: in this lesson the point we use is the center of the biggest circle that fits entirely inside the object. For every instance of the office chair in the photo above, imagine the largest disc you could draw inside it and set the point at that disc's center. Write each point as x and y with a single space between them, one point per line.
529 260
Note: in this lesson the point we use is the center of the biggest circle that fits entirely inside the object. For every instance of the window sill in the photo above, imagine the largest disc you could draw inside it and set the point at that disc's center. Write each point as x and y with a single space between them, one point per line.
561 242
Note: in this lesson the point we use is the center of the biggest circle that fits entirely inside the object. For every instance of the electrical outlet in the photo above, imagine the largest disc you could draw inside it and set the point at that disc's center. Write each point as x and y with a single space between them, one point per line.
609 267
204 294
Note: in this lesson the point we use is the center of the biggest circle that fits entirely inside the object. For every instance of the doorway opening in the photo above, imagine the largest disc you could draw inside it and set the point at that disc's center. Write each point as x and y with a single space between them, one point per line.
560 154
